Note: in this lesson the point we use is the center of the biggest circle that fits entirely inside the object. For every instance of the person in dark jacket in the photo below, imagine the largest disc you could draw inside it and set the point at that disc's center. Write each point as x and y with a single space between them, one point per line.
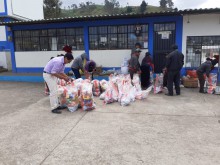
146 64
174 63
78 65
134 65
204 68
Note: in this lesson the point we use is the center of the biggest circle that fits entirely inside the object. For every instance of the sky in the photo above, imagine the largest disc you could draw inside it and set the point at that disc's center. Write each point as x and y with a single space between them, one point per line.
180 4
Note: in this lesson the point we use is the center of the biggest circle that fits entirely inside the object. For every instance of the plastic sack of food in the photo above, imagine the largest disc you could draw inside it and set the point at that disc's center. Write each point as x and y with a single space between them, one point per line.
61 82
210 83
113 86
87 102
146 92
158 85
102 96
124 95
108 96
78 84
124 69
136 82
72 99
96 88
103 85
62 92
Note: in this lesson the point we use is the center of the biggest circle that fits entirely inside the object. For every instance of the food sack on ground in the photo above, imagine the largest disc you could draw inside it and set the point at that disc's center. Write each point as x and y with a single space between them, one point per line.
96 88
87 102
158 84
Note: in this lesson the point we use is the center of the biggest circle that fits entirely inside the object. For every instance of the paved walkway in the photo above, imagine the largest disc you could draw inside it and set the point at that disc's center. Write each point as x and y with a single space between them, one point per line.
162 130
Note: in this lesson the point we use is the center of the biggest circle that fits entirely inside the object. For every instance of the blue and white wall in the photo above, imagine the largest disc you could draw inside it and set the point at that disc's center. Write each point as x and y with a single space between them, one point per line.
35 61
16 9
200 25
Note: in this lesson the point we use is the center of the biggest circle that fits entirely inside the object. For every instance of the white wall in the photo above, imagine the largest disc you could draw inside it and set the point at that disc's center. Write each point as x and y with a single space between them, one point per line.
38 59
2 6
2 33
112 58
30 9
5 60
200 25
106 58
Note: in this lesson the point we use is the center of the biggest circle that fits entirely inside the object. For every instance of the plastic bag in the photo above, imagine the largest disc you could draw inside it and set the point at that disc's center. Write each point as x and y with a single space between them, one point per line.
158 85
72 100
87 102
96 88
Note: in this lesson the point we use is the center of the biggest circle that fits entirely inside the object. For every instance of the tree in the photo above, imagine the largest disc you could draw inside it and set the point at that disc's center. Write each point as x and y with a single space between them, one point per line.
166 3
111 6
143 6
74 6
163 3
52 8
129 9
170 3
82 5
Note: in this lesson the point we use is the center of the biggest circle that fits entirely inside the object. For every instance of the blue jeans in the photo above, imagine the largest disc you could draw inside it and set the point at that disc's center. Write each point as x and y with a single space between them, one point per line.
76 73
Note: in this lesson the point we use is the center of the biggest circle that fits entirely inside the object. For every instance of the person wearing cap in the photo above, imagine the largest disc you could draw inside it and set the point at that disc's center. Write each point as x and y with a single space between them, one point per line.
146 65
136 46
52 71
134 65
174 64
90 68
204 68
78 64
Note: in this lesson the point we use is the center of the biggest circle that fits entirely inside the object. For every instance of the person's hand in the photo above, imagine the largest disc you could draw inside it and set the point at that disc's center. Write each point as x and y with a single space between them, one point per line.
67 79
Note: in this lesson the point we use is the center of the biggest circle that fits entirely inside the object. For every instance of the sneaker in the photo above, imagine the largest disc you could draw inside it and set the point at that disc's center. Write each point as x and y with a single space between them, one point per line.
57 111
167 94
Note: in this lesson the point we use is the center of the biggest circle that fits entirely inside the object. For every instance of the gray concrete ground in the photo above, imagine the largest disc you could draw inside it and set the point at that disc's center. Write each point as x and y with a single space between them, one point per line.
162 130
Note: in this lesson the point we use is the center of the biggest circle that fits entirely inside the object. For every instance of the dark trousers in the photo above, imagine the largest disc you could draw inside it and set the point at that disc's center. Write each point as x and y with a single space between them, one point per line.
201 81
145 76
76 73
165 79
173 77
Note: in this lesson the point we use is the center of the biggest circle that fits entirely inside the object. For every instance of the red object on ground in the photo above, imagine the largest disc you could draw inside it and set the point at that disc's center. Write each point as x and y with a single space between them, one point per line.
192 73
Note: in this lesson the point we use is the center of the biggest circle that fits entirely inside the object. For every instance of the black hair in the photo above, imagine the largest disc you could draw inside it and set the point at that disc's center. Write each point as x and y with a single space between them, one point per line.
174 46
60 55
147 54
138 44
69 56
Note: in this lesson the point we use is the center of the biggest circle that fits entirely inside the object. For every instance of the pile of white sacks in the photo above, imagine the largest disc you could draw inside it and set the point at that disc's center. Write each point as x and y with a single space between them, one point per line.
119 88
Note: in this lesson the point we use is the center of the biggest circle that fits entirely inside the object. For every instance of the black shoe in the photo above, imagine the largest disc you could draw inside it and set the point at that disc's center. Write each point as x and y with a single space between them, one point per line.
202 92
167 94
178 94
57 111
61 107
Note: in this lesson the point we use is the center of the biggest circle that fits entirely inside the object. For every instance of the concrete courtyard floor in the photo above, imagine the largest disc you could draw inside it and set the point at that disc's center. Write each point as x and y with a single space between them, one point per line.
161 130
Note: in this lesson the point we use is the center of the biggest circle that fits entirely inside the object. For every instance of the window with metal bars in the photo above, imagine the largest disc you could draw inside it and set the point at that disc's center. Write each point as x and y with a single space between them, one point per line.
49 39
198 48
117 37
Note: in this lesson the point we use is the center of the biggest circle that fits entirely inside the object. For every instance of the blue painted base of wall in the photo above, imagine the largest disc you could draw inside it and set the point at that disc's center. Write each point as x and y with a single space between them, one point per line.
36 78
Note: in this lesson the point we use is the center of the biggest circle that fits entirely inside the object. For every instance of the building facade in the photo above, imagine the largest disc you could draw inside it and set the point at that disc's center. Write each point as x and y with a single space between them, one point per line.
109 39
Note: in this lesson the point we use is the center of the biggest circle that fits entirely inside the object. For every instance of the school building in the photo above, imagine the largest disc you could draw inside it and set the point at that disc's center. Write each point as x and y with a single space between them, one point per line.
26 44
